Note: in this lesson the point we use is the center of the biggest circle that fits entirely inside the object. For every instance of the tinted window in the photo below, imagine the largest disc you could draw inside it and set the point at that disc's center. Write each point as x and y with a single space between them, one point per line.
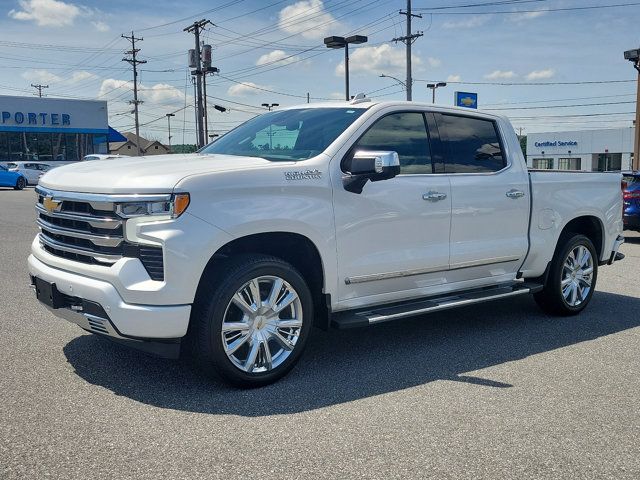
405 134
295 134
472 145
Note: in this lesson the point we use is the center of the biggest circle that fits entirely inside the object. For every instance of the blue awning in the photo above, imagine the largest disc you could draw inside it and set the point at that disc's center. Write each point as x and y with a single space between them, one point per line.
115 136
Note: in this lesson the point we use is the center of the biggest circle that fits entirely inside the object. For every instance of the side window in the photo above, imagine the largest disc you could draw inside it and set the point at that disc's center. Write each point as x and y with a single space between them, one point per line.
471 144
405 134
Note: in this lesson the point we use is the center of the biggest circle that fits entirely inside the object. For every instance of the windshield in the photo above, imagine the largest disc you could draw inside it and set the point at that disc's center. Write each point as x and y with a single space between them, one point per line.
12 165
286 135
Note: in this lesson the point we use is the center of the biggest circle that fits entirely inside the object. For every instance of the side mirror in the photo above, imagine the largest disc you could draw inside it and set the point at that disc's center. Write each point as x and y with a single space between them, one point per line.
370 166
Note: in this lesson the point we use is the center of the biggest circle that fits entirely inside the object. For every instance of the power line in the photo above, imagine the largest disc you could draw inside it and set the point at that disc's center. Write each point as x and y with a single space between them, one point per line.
544 10
510 84
562 106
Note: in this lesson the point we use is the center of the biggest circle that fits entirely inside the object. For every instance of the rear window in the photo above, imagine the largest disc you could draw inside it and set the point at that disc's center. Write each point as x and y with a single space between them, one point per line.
472 145
91 157
12 165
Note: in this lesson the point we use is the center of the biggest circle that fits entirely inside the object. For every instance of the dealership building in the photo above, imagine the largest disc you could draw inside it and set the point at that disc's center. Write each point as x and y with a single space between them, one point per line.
51 129
587 150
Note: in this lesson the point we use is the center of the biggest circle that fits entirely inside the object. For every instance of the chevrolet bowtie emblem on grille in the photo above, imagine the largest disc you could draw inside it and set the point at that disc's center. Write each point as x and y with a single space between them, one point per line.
50 204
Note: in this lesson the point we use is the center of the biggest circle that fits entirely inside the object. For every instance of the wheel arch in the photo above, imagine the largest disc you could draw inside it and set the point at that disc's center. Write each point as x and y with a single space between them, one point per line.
294 248
588 225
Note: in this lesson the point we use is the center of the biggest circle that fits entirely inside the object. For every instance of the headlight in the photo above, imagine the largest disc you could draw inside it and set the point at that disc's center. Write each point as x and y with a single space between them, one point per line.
173 207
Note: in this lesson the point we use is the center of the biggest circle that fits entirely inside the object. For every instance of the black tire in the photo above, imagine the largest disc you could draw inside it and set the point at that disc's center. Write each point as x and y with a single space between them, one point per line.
551 298
20 184
215 292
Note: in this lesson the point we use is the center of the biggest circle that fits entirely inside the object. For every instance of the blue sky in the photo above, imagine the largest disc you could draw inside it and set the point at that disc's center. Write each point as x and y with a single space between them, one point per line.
271 51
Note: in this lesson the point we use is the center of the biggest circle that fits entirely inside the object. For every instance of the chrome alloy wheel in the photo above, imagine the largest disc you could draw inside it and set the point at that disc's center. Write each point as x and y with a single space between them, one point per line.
262 324
577 276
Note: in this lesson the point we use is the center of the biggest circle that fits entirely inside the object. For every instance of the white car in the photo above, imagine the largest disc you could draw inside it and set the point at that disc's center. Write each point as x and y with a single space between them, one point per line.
32 171
102 156
343 215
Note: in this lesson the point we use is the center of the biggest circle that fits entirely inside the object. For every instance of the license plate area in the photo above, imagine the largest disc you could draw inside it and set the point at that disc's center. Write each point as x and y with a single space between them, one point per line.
49 294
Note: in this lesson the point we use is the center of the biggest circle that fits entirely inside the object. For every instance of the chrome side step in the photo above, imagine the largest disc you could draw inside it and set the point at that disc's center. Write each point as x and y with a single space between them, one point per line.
386 313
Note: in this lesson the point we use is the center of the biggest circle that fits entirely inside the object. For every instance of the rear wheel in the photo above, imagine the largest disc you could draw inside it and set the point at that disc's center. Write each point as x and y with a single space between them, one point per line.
250 325
20 183
572 277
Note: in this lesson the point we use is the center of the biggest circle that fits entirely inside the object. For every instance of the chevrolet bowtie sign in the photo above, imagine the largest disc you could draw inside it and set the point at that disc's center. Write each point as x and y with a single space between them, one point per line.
466 99
50 204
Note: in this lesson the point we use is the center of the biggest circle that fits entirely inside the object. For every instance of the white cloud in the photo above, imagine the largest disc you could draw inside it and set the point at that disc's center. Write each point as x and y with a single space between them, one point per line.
41 76
541 74
434 62
308 18
244 89
376 60
471 22
521 17
160 93
46 13
101 26
454 78
81 75
500 75
276 56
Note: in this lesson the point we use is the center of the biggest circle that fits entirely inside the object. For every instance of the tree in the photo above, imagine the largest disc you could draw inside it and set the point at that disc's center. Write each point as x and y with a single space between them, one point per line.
523 144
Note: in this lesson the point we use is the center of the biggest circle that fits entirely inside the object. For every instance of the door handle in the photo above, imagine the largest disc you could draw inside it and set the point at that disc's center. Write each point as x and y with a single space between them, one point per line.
434 196
513 193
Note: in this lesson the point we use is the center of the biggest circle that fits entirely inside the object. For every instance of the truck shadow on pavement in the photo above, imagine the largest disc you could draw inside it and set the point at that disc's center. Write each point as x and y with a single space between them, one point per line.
342 366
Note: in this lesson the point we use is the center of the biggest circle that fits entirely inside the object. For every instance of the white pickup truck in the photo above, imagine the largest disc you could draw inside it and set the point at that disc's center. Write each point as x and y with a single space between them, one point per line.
341 215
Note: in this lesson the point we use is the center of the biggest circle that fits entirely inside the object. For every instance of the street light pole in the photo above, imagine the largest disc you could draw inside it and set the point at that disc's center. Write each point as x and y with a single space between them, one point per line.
269 106
169 115
404 85
434 87
342 42
634 56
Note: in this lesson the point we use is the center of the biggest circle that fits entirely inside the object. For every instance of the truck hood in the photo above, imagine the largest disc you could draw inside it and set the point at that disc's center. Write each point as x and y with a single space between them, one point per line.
153 174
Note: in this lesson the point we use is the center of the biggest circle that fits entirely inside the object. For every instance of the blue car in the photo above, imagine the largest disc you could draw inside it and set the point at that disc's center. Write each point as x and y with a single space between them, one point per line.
12 179
631 195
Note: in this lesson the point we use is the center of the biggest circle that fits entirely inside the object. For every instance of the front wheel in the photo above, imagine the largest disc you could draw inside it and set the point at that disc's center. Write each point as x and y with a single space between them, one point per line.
20 183
572 277
250 324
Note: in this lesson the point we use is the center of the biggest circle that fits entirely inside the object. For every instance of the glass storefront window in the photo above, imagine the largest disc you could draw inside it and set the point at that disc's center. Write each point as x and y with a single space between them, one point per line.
542 163
607 162
49 147
569 163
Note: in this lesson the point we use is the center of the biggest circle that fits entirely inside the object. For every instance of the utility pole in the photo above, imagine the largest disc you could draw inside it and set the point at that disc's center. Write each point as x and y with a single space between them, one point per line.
39 88
196 28
408 40
133 60
169 115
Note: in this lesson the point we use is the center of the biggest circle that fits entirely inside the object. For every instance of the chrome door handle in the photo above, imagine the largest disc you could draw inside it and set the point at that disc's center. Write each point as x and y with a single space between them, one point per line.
513 193
434 196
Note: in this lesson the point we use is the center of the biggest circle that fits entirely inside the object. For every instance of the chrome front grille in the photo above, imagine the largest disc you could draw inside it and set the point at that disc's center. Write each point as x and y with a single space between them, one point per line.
86 228
86 231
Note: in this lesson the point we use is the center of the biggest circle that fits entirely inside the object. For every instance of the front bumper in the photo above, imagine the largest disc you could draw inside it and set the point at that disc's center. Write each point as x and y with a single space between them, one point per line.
97 307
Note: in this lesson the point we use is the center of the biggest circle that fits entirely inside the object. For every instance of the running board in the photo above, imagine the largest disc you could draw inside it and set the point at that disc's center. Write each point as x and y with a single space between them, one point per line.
386 313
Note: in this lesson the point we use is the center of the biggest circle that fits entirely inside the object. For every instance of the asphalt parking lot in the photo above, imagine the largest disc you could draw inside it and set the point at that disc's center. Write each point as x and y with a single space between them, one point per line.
495 391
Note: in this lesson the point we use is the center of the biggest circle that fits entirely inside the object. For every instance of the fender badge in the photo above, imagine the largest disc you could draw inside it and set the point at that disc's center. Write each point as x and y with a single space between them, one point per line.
306 175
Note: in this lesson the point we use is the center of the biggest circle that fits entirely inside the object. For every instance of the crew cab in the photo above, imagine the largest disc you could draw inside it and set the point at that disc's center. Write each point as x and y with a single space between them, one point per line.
333 215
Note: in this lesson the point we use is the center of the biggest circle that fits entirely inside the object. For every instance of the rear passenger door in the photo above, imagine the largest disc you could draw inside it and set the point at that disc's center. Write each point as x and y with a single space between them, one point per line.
489 198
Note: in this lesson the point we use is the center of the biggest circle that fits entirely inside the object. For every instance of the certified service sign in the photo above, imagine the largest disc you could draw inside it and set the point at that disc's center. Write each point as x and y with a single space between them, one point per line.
466 99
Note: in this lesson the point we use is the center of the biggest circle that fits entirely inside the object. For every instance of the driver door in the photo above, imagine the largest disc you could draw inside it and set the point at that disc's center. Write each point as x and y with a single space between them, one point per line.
393 238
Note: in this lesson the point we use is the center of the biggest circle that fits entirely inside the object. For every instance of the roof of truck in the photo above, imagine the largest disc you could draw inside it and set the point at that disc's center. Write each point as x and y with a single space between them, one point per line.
367 103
